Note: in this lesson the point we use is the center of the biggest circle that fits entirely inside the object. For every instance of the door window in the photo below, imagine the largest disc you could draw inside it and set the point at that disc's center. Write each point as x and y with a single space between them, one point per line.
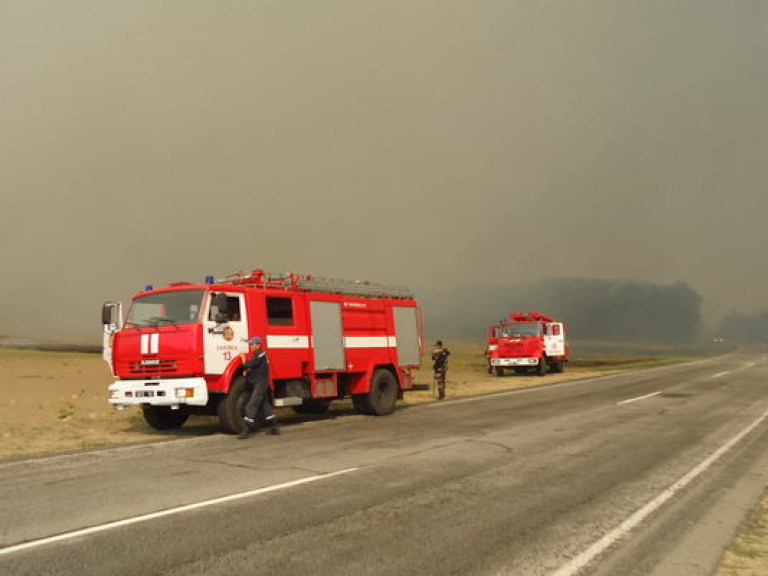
279 311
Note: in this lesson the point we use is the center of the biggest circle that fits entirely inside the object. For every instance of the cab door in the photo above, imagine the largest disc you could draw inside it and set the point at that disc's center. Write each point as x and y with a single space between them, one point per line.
225 330
554 339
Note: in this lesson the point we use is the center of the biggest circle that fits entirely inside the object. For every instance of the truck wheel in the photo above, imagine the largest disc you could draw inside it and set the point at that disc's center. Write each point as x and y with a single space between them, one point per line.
164 418
541 370
381 398
231 408
558 366
313 407
499 371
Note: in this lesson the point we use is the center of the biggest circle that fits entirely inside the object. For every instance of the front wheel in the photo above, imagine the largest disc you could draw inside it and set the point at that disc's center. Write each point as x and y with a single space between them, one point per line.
541 370
499 371
164 417
231 408
382 396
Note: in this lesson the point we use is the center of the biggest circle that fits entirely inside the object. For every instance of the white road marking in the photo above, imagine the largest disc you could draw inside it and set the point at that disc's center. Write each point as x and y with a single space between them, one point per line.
720 374
169 512
580 561
639 398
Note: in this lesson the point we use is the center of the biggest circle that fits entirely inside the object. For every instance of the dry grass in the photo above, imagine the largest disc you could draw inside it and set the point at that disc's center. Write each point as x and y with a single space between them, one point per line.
748 554
57 402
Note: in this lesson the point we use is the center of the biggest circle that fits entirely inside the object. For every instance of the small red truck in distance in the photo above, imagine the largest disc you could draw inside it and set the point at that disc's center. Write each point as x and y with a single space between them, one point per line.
528 341
178 351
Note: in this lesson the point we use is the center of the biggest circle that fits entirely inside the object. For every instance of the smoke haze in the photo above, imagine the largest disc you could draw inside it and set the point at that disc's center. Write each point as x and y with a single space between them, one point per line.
424 143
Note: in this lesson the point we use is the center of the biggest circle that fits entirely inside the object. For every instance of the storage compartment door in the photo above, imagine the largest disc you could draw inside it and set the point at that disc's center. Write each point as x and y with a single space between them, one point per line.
327 336
407 333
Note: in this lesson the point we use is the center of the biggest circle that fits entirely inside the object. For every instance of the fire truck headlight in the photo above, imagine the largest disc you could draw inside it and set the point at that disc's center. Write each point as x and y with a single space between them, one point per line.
116 394
185 392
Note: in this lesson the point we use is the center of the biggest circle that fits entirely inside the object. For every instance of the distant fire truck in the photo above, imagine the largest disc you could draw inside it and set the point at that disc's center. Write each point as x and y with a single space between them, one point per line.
177 353
528 341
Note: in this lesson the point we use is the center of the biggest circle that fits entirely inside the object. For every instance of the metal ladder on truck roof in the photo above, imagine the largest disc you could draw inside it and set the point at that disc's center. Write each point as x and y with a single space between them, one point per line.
291 281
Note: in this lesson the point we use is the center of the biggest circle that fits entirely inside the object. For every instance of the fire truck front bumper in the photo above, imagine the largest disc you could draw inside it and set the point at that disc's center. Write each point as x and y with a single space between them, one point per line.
523 361
172 392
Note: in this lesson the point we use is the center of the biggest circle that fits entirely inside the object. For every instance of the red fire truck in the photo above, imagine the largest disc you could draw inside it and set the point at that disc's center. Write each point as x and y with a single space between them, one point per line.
177 353
528 341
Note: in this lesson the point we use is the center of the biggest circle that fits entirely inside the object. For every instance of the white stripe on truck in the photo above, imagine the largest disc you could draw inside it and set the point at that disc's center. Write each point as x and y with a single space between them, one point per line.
300 341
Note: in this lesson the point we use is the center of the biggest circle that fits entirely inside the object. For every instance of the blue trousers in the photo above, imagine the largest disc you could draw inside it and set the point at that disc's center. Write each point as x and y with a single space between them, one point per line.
259 403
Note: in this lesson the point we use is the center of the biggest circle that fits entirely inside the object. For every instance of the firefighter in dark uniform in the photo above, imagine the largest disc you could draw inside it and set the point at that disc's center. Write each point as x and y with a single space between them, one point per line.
440 366
256 365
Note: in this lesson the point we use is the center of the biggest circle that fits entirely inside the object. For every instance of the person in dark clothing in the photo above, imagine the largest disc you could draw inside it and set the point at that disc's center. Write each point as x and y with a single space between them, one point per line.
256 365
440 366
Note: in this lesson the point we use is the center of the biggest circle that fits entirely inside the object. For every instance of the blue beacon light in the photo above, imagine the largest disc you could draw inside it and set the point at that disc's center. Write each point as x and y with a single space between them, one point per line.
209 279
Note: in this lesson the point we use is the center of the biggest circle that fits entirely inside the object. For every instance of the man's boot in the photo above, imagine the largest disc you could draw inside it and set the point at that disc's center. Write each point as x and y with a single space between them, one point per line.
274 430
246 430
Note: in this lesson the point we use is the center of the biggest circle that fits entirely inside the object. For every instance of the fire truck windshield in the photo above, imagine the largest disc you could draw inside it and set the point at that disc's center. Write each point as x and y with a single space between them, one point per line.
522 329
165 308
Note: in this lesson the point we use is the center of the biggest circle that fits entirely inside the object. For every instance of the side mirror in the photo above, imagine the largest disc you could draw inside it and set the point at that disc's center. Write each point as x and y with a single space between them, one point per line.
112 316
107 313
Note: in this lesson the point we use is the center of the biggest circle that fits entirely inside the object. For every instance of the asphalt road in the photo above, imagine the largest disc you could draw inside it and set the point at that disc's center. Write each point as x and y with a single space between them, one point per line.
639 473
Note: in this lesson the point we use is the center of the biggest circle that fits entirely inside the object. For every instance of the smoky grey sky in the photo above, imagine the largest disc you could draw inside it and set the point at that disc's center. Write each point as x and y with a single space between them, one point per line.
415 142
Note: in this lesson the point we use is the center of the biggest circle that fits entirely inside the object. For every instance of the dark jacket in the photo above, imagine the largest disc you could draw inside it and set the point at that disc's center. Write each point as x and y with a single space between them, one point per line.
440 356
257 369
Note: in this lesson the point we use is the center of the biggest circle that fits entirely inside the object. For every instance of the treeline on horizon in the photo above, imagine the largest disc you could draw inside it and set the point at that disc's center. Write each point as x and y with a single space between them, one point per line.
593 309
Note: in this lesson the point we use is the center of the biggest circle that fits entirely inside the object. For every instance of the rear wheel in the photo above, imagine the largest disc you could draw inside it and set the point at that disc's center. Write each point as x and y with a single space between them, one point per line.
164 417
381 398
231 408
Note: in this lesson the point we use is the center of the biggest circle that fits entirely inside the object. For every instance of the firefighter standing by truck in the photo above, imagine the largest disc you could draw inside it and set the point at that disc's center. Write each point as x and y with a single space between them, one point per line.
440 366
256 365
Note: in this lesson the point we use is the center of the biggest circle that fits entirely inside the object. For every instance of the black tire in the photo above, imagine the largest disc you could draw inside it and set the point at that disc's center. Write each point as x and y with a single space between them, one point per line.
360 402
313 407
499 371
164 417
541 369
231 408
558 366
381 398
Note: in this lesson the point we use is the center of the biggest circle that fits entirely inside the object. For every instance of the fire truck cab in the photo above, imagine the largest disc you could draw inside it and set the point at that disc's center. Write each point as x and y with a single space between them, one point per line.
178 351
528 341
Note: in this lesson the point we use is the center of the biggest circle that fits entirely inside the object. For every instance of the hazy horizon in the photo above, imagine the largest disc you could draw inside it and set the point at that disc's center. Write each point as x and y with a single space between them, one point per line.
419 143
